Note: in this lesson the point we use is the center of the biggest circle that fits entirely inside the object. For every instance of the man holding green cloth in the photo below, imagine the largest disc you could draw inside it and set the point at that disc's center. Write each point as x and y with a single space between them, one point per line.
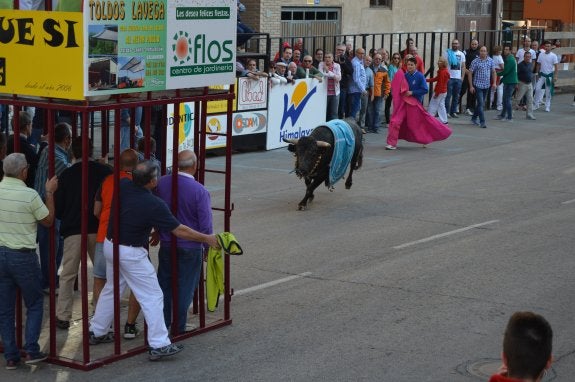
547 67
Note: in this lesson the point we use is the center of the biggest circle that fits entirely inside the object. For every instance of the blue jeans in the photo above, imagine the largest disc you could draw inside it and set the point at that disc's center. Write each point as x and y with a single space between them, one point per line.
375 113
355 104
332 107
343 109
480 95
20 270
44 247
507 111
189 267
452 98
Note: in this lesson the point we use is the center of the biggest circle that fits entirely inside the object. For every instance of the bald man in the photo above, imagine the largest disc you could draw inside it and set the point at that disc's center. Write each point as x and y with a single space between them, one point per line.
195 211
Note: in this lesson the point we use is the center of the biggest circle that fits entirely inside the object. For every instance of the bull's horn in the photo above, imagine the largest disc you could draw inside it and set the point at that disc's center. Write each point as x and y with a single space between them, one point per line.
323 144
292 141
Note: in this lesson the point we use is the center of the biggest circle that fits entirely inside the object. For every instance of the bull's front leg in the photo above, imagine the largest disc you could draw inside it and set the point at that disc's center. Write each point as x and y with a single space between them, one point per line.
311 184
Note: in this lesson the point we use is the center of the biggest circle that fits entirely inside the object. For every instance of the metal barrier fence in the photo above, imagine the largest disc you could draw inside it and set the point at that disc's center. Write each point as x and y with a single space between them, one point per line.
430 45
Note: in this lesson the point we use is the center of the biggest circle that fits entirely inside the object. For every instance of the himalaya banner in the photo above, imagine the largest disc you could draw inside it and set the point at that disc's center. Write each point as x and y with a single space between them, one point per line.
118 46
295 110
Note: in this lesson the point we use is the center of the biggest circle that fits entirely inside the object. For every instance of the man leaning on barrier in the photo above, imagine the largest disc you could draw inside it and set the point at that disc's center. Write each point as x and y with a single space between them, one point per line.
22 208
136 271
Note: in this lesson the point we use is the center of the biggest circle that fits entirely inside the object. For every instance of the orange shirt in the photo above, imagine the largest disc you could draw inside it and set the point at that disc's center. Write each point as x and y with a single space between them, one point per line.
105 196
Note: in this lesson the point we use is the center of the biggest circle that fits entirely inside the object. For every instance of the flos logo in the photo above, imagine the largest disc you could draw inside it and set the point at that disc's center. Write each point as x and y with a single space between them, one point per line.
299 99
182 47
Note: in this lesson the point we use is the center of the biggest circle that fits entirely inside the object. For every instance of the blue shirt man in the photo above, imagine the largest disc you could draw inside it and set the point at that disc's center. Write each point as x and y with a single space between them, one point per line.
357 86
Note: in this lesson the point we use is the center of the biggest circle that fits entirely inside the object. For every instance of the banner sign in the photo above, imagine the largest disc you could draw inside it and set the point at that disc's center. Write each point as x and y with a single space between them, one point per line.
139 46
295 110
116 47
41 53
252 93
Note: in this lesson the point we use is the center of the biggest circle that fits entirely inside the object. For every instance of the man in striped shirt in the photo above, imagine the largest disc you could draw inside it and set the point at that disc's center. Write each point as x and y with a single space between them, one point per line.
21 209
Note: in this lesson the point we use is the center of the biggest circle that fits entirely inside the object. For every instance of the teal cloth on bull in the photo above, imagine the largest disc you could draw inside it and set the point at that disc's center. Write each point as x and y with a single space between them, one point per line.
344 145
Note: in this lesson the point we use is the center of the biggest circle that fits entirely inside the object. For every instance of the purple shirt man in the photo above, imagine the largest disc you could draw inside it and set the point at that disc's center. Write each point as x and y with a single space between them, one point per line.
194 210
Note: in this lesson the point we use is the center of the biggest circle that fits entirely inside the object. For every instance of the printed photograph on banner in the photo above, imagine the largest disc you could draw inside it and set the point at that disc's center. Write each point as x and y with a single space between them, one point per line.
250 122
295 110
252 93
102 57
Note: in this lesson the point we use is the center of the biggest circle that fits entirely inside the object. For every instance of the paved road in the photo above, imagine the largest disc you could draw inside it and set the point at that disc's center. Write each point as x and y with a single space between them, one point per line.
410 275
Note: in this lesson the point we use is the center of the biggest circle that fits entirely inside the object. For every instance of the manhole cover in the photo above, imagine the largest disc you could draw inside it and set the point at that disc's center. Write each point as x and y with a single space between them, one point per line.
484 368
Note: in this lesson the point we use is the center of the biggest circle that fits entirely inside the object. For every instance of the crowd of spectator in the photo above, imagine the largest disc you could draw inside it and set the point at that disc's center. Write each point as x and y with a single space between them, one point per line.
466 81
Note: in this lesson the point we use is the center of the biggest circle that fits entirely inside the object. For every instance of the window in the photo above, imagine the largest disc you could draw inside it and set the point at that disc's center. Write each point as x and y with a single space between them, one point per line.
513 10
473 7
380 3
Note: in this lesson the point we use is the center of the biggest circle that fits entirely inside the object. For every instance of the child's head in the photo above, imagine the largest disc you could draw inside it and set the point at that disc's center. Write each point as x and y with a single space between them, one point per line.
442 62
411 64
527 345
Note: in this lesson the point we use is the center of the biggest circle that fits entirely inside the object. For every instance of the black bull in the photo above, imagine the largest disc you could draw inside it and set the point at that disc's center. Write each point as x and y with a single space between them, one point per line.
313 157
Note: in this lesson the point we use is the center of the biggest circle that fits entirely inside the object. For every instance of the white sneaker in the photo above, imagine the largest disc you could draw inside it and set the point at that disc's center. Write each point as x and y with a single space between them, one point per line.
390 147
469 112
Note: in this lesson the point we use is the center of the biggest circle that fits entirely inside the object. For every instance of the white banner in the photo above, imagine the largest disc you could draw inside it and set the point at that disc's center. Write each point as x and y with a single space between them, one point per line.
252 93
250 122
295 110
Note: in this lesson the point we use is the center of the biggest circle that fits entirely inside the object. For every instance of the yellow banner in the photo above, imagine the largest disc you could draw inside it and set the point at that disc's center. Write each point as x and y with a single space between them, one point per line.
41 54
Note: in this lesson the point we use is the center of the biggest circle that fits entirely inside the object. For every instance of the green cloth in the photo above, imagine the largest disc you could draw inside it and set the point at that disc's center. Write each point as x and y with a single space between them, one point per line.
549 81
300 72
215 267
509 73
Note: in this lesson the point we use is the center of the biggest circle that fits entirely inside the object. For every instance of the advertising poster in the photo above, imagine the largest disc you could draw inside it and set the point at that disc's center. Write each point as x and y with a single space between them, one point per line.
41 53
186 129
295 110
249 122
244 124
136 46
252 93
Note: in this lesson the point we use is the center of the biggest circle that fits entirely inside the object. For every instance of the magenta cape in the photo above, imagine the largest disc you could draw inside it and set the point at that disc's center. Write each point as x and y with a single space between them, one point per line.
410 121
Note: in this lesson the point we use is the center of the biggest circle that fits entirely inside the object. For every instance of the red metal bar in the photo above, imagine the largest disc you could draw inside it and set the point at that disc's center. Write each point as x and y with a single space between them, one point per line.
52 243
116 233
227 206
84 235
174 242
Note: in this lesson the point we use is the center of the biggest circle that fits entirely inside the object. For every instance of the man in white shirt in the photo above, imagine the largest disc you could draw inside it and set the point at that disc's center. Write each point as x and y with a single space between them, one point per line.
547 67
526 48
